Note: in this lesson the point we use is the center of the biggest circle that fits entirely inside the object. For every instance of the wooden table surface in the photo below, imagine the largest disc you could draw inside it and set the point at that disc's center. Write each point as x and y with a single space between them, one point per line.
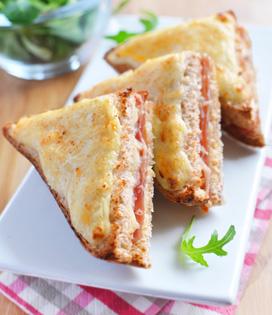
20 97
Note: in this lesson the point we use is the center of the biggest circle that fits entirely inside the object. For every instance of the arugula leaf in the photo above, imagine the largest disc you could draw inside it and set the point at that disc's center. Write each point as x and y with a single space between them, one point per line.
120 6
214 245
149 21
121 36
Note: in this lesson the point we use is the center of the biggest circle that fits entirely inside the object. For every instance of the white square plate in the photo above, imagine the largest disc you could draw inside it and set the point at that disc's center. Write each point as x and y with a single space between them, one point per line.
36 240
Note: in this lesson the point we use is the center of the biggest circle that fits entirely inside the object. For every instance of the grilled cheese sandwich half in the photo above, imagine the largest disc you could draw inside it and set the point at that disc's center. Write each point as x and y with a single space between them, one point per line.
186 124
228 44
96 158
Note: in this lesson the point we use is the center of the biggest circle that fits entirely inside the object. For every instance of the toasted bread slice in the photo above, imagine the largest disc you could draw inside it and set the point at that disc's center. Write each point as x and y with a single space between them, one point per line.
223 39
94 156
188 170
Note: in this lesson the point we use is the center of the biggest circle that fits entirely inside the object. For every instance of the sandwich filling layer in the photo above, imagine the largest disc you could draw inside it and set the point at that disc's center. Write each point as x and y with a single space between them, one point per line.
204 110
139 193
204 113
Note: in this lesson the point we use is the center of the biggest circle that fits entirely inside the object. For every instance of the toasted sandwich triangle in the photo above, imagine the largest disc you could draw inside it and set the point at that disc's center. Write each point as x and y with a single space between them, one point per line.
76 150
228 44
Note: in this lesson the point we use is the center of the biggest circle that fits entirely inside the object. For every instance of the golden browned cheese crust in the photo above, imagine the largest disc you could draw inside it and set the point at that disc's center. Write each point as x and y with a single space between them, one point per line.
223 39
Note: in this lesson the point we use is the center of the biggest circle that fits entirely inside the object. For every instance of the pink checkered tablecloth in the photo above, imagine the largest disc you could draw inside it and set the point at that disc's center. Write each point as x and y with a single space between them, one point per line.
39 296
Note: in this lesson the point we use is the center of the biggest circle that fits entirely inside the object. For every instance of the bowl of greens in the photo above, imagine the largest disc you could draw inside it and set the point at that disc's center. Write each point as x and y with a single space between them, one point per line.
40 39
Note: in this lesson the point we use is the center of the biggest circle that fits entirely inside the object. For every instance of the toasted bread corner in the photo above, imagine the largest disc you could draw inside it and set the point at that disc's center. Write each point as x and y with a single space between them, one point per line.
120 68
253 137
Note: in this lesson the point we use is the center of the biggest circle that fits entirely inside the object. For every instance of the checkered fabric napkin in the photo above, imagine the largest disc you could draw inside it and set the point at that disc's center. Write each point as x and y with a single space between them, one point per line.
39 296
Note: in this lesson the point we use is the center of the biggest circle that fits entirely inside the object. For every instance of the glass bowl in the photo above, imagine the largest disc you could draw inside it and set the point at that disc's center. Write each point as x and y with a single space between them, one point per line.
57 42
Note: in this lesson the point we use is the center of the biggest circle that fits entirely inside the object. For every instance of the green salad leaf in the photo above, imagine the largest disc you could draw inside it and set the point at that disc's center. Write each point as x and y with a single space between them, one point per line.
214 245
20 11
52 40
24 12
149 21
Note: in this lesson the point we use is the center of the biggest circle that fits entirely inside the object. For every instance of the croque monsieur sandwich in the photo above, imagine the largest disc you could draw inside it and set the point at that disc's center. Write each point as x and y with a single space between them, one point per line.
186 124
96 158
228 44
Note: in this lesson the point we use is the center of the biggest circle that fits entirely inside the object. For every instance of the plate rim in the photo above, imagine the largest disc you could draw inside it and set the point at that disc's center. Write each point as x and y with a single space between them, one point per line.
251 201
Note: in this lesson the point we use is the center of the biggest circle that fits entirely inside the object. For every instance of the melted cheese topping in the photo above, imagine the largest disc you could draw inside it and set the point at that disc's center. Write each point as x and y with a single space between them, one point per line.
215 36
172 166
163 79
78 148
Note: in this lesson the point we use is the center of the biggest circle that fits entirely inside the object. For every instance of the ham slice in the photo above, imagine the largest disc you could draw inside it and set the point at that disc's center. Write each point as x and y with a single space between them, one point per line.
139 188
204 109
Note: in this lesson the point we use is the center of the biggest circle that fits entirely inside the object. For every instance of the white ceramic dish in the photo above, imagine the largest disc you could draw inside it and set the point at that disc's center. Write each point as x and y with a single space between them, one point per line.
36 240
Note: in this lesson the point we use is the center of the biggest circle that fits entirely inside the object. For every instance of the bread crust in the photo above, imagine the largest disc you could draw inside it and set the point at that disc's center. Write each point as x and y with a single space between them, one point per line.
186 196
120 68
106 250
250 136
242 121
